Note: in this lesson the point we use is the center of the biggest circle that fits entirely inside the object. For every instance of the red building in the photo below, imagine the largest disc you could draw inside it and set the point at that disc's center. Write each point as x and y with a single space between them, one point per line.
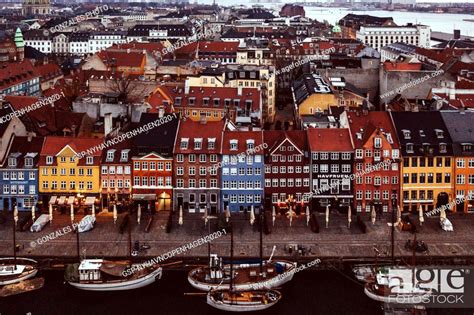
375 141
197 154
286 169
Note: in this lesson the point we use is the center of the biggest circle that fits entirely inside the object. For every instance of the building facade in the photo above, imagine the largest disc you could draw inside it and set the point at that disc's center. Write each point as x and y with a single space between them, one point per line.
242 170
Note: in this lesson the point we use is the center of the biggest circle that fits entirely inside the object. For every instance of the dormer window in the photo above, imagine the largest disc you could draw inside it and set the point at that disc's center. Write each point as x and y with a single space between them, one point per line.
49 160
28 162
439 133
205 101
184 143
250 144
197 143
217 102
422 133
406 134
177 101
211 143
377 142
124 155
12 162
89 160
110 155
466 147
389 138
359 135
409 147
233 145
442 148
192 101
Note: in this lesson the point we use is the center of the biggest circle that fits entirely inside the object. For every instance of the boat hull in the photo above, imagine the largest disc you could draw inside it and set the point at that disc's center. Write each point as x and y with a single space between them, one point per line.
120 285
402 299
268 283
23 276
239 307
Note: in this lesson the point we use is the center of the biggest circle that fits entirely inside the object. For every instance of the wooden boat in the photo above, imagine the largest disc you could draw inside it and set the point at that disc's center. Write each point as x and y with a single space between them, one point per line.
14 270
233 300
102 275
22 287
392 290
243 301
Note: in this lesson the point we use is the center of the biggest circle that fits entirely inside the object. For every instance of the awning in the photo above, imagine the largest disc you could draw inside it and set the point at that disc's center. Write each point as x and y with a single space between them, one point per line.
53 199
62 199
89 201
70 200
143 196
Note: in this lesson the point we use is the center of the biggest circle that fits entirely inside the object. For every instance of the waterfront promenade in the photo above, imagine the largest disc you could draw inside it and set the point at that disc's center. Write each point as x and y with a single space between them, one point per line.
335 242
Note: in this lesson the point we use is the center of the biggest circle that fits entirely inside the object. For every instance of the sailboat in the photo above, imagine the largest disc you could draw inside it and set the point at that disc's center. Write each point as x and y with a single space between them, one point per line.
248 275
13 269
106 275
233 300
389 286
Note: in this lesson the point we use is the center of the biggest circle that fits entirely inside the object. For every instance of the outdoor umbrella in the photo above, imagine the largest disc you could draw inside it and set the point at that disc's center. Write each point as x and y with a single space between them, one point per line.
227 214
15 214
399 215
33 214
422 219
273 215
115 214
252 215
139 213
307 215
442 215
205 216
373 215
93 210
50 214
290 213
180 220
349 219
327 216
72 213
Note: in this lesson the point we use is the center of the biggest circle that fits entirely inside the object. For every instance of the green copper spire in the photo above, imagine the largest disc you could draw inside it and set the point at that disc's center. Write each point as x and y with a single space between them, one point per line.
19 38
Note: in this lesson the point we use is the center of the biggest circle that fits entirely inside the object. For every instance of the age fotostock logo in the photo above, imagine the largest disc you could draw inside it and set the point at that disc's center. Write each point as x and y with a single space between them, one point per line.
451 287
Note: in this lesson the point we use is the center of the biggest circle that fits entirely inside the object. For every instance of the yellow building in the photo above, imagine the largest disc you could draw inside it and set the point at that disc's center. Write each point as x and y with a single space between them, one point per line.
64 179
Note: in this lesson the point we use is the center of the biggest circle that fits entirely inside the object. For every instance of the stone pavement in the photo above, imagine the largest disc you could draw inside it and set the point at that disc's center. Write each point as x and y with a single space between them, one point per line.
336 241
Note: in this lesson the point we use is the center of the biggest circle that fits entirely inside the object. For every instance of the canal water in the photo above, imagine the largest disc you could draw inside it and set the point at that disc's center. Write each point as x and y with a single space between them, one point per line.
310 292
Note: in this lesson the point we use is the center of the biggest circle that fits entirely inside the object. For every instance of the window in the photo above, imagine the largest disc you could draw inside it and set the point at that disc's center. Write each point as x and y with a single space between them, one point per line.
180 158
324 168
334 156
460 163
31 176
358 154
89 160
49 160
192 158
324 155
460 179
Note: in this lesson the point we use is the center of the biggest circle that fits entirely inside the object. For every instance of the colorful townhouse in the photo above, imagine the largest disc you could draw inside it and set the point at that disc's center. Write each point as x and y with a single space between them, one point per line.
376 144
460 127
19 174
332 156
427 168
287 177
197 152
242 170
116 175
152 161
65 179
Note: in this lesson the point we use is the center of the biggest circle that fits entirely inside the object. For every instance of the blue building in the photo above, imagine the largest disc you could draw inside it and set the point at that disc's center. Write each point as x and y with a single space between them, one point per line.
242 170
19 174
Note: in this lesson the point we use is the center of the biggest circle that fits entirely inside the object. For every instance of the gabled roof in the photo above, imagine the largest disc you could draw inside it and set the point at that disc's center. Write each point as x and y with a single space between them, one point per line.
329 140
460 126
378 121
14 73
242 138
274 138
193 131
54 145
24 146
122 58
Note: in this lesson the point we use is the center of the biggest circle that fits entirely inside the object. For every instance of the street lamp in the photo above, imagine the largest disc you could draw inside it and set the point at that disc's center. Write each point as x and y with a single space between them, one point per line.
394 207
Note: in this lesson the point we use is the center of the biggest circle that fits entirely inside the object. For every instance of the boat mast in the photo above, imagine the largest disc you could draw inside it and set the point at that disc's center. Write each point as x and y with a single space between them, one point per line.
15 219
261 242
231 257
129 238
77 244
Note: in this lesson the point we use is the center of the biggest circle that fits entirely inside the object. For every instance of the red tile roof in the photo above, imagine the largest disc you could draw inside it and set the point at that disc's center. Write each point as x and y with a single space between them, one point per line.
401 66
14 73
49 71
53 145
152 48
329 140
122 58
273 138
370 123
439 55
193 130
241 137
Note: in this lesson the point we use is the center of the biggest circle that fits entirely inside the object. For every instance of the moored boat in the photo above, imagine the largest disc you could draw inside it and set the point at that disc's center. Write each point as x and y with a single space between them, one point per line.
103 275
14 270
22 287
243 301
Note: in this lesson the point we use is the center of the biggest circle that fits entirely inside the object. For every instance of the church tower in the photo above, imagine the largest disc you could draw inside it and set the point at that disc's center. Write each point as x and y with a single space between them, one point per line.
20 44
36 7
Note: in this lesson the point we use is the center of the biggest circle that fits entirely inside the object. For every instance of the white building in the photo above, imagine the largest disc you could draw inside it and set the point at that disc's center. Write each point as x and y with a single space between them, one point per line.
100 41
380 36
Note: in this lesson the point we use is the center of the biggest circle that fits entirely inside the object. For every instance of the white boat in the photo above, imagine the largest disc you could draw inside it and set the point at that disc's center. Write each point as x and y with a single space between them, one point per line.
246 276
393 290
14 270
103 275
253 300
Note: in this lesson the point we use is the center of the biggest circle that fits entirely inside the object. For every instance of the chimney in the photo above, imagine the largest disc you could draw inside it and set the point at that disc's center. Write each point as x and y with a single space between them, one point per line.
30 136
239 91
457 34
161 112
